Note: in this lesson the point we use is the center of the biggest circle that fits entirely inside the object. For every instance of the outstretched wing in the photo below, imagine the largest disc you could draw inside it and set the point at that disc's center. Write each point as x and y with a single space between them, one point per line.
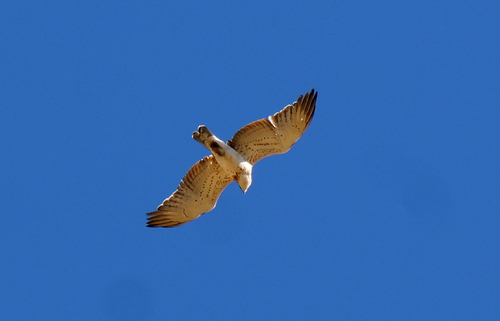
197 194
278 133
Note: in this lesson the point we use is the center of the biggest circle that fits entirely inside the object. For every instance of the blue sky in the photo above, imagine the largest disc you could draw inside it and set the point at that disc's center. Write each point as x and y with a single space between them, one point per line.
386 209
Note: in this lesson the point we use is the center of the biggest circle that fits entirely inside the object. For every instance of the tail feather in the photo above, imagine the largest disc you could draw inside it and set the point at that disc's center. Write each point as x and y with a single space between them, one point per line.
210 141
202 135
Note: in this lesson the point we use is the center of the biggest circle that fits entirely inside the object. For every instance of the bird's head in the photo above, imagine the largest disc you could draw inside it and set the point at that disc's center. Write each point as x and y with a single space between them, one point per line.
244 179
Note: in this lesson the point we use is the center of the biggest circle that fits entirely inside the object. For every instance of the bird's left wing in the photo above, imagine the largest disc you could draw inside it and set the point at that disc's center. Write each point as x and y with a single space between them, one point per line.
197 194
278 133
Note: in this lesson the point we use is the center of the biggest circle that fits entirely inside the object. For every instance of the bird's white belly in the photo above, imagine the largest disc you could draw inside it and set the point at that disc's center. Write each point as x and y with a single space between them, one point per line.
231 161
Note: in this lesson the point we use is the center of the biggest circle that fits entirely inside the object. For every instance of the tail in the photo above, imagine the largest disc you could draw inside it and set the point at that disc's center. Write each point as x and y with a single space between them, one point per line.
210 141
202 136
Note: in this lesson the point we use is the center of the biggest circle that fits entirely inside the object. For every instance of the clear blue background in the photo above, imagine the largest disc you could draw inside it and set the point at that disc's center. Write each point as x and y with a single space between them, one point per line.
387 208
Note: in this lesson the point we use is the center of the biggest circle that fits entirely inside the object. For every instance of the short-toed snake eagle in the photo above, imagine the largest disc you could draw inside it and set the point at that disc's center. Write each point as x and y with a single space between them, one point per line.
232 161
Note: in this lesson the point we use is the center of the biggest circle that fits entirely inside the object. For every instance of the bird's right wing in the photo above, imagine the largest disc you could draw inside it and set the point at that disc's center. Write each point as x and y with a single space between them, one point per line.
278 133
197 194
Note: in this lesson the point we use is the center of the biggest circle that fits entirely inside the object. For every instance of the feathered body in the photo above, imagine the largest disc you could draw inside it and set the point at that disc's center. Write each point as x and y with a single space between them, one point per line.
202 185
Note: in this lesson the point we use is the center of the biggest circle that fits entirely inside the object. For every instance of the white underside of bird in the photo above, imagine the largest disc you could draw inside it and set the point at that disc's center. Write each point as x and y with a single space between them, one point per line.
230 160
233 160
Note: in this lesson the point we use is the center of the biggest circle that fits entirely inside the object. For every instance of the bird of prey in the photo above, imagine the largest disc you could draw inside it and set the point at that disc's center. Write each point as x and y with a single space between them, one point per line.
202 185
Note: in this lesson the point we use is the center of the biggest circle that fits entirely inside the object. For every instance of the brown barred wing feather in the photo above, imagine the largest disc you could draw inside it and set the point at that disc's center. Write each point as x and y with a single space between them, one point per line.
278 133
197 194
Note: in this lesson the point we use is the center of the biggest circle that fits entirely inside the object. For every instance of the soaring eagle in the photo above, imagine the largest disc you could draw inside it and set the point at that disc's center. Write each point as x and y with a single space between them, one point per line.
202 185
